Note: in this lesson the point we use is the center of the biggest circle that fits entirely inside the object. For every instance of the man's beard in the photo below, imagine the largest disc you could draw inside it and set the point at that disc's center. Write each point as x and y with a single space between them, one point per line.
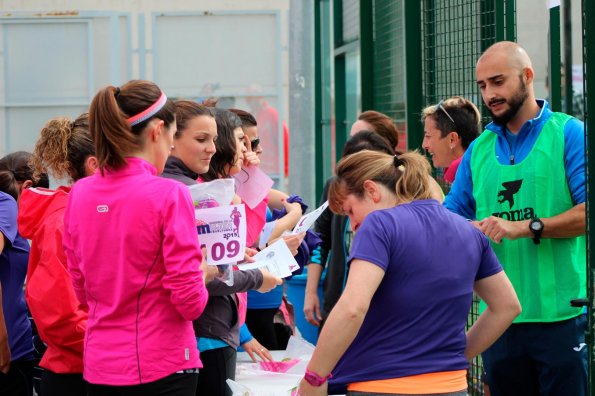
514 105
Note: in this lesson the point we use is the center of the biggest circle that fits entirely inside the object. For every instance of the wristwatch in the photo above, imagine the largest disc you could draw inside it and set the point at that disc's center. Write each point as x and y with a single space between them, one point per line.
314 379
536 227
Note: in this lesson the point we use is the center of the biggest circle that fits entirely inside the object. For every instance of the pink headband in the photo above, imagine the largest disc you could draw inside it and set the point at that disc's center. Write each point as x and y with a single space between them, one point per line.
149 112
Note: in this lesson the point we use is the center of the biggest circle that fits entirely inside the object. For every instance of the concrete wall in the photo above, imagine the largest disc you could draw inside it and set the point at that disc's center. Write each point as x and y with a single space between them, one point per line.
141 13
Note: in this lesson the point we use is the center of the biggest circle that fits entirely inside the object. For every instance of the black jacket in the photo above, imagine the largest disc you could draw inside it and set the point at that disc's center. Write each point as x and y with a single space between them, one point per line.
332 229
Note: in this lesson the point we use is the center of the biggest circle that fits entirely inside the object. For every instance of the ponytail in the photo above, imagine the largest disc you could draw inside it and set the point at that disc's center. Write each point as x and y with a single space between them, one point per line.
62 148
110 114
111 133
407 175
414 183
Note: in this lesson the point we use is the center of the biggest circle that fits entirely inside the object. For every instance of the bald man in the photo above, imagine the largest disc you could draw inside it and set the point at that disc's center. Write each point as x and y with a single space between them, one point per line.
522 181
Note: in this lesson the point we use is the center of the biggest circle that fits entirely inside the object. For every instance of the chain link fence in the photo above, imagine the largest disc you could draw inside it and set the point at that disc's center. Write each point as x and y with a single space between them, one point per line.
454 34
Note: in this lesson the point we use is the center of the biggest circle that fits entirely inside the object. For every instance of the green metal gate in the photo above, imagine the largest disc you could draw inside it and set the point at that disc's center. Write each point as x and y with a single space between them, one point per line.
414 53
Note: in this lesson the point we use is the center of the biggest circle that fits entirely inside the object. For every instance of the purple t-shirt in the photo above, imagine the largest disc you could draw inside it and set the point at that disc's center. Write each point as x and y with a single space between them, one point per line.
13 269
416 320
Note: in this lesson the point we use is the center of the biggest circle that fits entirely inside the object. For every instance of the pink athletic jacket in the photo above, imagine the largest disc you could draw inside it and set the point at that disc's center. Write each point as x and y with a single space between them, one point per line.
133 254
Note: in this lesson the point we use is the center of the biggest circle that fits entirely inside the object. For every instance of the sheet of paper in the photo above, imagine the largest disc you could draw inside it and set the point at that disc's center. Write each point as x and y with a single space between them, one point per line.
223 231
265 235
252 185
308 219
276 258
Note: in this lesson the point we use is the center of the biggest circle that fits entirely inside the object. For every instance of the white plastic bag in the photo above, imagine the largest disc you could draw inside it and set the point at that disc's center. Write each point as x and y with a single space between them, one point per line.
218 192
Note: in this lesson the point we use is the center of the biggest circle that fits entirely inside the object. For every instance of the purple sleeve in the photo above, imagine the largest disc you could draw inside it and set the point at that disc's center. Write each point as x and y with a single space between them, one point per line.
8 217
489 262
372 243
182 255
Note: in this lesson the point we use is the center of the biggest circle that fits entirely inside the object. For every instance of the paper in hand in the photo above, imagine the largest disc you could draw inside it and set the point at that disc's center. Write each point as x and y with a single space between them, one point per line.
276 258
252 185
308 219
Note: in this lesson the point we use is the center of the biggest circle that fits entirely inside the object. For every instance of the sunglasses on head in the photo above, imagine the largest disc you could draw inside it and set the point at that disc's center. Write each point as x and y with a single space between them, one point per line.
439 106
254 143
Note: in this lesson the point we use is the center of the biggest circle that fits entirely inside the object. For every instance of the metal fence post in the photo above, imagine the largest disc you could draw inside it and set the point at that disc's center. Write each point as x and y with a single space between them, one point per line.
588 7
413 73
554 79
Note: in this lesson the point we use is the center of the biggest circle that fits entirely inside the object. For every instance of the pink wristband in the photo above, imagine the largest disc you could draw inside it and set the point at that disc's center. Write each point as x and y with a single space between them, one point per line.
314 379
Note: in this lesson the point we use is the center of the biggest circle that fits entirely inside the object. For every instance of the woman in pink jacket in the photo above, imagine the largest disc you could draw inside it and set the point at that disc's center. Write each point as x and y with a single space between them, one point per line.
133 251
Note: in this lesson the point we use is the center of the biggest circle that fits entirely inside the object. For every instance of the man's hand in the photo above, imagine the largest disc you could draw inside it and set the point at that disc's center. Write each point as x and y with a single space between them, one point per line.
254 348
312 308
497 228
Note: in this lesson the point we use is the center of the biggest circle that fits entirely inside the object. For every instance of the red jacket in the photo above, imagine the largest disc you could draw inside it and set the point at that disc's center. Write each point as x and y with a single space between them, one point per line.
57 313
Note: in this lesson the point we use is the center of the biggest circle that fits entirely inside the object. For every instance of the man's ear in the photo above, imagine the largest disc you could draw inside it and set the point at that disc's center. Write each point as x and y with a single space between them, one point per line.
528 75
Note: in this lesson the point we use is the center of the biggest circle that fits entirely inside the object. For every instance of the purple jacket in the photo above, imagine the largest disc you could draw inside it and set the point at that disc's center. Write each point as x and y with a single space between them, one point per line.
134 258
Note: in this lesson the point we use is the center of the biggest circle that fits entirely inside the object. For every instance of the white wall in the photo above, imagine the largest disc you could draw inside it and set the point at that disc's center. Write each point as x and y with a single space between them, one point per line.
532 34
232 20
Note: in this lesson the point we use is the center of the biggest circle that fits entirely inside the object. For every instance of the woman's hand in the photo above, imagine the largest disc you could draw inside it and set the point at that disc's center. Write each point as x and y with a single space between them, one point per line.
254 348
269 281
248 255
312 308
209 272
305 389
251 159
294 241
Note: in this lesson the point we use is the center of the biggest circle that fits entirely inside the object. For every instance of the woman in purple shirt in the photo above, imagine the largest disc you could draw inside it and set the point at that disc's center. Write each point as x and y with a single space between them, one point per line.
399 327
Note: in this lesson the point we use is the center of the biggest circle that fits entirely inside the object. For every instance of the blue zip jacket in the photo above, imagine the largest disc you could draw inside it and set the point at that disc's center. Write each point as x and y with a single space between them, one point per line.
511 149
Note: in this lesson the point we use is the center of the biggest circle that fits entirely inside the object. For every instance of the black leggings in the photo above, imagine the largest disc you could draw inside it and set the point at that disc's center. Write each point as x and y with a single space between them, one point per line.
53 384
218 365
173 385
19 380
262 326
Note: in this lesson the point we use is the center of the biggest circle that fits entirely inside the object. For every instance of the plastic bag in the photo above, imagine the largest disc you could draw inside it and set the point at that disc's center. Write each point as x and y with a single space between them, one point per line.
218 192
252 380
225 273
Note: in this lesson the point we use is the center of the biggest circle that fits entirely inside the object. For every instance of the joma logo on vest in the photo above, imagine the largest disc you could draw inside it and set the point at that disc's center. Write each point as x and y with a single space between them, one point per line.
516 215
507 195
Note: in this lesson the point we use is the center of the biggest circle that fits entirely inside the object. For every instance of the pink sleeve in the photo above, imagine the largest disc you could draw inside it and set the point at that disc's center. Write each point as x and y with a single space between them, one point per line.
72 261
182 255
242 307
255 220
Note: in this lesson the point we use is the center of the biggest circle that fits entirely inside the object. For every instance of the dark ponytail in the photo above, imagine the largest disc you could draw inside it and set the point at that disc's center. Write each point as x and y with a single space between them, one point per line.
110 109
